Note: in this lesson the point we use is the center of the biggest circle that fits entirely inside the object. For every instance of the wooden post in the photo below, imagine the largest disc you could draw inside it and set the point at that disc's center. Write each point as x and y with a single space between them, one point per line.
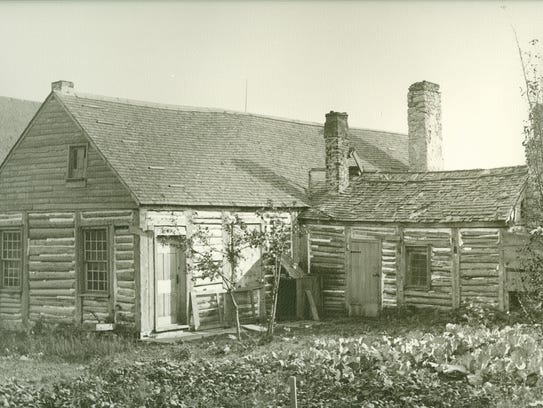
78 268
347 271
293 392
253 308
312 305
137 269
503 296
400 272
455 282
219 309
300 298
113 273
25 252
195 311
308 250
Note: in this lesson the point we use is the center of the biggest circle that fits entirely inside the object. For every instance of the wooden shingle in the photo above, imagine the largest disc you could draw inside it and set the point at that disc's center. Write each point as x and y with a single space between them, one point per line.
480 195
171 155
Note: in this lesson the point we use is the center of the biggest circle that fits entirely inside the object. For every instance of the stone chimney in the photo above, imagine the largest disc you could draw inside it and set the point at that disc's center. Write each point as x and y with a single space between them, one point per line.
62 86
424 122
533 199
336 139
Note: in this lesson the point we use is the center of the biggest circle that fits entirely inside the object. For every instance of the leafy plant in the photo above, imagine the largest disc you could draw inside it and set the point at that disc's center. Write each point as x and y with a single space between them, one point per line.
461 365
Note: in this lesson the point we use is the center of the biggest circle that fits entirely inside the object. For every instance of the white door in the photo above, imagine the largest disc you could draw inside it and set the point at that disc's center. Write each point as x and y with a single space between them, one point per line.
170 285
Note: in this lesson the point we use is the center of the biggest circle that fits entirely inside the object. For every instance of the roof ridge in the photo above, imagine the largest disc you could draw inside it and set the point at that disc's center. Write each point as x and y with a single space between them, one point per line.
518 166
186 108
429 180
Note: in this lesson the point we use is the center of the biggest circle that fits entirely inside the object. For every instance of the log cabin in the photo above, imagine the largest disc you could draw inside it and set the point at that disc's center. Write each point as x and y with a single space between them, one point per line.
94 183
425 237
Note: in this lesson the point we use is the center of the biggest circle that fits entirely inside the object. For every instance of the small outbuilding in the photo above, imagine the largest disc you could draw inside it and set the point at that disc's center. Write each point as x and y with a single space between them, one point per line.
430 239
423 237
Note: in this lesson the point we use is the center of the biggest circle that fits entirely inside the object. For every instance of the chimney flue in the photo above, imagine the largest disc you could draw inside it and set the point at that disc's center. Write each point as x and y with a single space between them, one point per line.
62 86
424 122
336 139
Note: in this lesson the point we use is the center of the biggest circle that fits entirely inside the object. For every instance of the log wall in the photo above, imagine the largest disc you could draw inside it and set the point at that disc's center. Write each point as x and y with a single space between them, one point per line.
327 245
440 294
53 265
465 265
480 266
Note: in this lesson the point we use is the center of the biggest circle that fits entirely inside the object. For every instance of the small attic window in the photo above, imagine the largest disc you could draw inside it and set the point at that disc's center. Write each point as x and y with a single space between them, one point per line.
77 162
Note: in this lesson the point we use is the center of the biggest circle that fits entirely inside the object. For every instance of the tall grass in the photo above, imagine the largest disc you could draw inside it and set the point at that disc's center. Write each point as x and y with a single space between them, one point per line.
63 342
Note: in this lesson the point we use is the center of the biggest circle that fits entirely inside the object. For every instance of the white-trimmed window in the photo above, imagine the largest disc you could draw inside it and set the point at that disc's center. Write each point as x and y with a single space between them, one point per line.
11 265
96 260
417 274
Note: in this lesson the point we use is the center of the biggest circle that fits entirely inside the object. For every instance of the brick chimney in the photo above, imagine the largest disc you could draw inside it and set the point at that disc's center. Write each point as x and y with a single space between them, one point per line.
424 122
62 86
336 139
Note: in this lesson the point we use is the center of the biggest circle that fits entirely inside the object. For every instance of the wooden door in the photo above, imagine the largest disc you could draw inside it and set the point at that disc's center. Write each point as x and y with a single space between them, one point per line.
364 283
170 286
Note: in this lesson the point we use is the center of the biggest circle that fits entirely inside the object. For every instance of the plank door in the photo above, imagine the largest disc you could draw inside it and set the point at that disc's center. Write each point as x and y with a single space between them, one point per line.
170 286
364 283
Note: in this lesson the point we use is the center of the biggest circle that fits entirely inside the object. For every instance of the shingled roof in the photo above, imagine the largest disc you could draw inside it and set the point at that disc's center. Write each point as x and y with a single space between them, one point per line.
432 197
173 155
15 114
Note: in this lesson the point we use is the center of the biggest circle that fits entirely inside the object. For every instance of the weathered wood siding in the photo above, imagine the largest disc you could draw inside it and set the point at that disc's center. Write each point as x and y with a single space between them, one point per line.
209 293
53 265
389 258
480 265
465 264
327 259
440 294
120 305
125 272
34 175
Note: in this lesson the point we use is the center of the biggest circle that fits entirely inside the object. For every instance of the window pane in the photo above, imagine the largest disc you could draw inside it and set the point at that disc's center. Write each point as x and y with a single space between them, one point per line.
417 267
96 260
96 276
11 275
11 259
11 245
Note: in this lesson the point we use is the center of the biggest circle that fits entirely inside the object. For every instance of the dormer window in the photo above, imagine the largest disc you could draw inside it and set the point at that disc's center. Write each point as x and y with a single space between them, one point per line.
77 162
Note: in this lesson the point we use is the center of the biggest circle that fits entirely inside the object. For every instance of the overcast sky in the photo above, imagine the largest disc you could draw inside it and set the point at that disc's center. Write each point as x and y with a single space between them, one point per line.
300 59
